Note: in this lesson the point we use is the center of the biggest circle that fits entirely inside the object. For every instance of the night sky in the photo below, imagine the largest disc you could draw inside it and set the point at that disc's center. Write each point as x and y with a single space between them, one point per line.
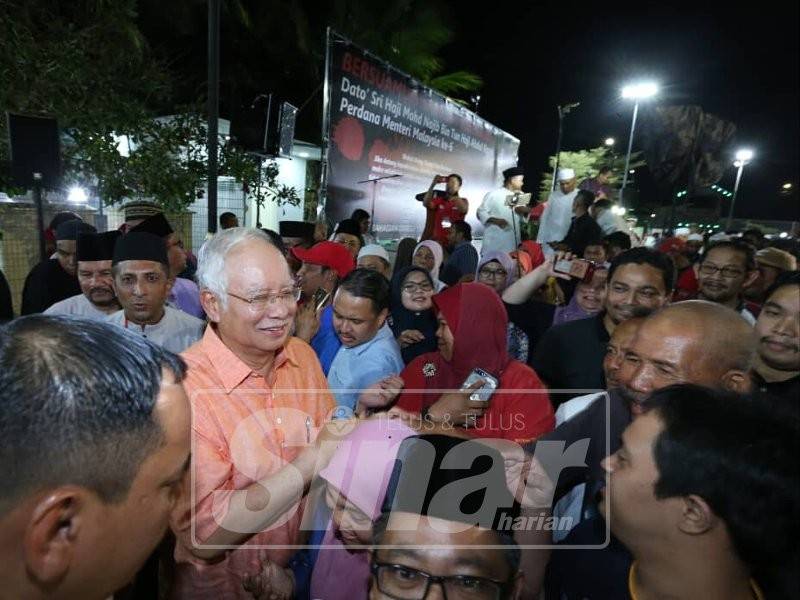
737 63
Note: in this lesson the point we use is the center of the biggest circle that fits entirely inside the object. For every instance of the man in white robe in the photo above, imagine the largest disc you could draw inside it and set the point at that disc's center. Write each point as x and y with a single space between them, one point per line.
557 215
501 222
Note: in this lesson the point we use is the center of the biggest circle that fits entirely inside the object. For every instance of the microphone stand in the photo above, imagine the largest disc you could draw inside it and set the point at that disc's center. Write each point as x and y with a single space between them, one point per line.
374 183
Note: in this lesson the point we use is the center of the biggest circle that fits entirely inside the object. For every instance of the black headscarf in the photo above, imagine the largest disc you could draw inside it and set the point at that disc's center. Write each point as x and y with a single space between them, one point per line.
403 319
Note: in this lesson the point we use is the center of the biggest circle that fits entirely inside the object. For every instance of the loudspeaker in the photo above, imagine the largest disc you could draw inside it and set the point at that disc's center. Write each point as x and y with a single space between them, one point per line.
266 127
35 147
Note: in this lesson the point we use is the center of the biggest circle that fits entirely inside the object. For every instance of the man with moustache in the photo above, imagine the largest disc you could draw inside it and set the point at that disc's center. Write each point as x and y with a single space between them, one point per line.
618 345
98 299
690 342
570 356
142 282
777 362
726 269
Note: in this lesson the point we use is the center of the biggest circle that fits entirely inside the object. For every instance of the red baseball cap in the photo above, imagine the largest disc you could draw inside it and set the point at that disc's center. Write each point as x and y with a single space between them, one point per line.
328 254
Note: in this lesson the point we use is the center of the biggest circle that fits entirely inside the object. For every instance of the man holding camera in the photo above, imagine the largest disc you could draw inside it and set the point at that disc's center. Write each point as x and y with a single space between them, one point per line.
447 205
497 212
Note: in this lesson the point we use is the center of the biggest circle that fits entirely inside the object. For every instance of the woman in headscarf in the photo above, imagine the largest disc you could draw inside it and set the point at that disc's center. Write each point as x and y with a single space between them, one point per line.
413 321
587 300
356 481
429 255
473 329
498 270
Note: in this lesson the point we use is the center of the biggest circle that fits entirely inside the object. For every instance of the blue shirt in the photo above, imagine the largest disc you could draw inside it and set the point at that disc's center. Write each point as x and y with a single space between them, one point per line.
359 367
463 261
326 343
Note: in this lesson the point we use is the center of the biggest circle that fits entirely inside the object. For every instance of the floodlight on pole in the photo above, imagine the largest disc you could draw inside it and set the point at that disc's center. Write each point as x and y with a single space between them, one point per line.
636 92
77 195
610 141
743 156
787 186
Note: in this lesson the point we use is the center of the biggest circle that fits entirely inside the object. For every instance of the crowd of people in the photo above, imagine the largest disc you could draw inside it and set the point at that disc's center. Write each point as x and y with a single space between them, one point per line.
293 414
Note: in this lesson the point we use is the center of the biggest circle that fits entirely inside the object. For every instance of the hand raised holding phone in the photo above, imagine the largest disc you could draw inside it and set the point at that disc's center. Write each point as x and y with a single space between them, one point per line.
456 407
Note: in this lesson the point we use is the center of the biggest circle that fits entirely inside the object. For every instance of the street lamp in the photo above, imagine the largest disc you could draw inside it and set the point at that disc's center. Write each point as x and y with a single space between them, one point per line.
77 195
563 111
610 142
635 92
743 156
787 186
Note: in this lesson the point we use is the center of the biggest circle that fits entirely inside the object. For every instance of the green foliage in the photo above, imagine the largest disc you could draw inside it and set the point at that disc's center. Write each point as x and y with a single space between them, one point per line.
167 162
408 34
83 62
587 163
87 64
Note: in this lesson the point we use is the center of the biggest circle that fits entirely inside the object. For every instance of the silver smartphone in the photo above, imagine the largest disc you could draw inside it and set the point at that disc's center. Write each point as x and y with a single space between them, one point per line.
483 393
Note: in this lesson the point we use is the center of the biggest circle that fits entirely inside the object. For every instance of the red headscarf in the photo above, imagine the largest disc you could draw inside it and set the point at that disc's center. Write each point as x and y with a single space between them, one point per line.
534 251
479 323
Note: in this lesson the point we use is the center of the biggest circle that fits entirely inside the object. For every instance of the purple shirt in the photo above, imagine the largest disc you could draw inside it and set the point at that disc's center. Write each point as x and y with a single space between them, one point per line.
594 186
185 295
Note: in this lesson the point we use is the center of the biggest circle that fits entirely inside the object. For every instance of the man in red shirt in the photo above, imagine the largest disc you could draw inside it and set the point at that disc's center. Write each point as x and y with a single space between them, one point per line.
447 205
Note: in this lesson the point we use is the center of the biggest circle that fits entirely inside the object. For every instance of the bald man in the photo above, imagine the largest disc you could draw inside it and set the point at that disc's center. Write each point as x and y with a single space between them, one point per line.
696 342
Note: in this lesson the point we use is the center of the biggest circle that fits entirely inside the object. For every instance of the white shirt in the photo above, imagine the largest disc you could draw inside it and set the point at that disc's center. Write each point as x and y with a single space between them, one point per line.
495 238
77 306
571 503
556 219
609 223
176 330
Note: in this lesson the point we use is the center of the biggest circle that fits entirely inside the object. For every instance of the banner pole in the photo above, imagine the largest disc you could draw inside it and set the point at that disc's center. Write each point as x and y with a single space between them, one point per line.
326 126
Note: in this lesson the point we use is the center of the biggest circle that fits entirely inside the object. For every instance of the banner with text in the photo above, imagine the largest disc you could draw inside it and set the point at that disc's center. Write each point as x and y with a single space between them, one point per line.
381 122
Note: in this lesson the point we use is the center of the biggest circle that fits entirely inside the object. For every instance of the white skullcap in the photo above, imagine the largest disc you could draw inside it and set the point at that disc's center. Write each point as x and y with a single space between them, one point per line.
566 174
374 250
694 237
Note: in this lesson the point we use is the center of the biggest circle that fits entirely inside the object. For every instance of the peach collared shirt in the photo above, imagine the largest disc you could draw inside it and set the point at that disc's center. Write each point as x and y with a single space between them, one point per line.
244 428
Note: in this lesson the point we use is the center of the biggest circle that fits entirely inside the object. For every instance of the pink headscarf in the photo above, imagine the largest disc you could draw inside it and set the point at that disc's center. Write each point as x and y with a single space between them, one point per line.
438 256
360 470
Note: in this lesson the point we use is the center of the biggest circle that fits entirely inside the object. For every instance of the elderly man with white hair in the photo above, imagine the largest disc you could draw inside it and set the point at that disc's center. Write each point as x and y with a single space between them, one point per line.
557 215
258 396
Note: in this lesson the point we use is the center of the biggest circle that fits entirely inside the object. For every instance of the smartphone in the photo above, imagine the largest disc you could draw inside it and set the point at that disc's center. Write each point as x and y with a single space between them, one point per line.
320 298
483 393
441 179
579 268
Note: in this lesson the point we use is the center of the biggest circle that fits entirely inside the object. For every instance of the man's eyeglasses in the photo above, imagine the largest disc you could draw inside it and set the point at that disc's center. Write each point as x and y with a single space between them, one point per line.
411 288
404 583
727 272
287 297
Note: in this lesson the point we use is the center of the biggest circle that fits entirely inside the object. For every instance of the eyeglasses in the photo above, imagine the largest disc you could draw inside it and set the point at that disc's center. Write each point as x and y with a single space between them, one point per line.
492 273
286 297
411 288
727 272
404 583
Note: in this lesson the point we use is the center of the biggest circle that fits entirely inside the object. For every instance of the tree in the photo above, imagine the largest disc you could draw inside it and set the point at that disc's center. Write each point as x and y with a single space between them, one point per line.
587 163
165 159
83 62
278 46
87 64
